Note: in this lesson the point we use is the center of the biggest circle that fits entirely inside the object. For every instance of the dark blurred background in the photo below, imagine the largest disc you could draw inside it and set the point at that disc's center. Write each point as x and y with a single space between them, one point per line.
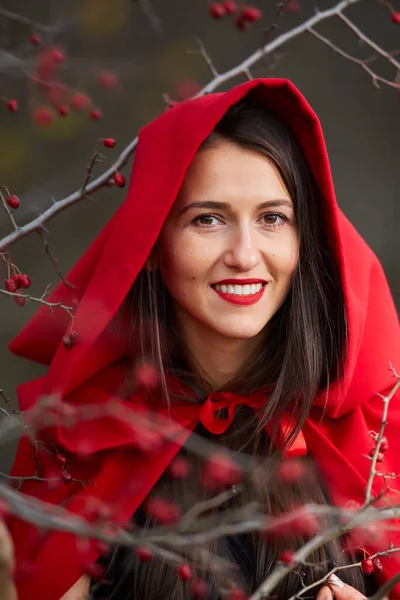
145 44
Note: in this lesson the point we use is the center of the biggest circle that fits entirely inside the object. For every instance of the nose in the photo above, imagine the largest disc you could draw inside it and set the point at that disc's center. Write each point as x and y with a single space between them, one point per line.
242 253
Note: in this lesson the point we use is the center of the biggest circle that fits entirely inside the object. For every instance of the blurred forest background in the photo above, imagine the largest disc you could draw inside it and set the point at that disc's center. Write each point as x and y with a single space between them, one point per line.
145 44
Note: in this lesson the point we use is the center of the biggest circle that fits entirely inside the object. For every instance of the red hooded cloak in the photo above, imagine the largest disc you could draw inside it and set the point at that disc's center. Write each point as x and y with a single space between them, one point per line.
336 431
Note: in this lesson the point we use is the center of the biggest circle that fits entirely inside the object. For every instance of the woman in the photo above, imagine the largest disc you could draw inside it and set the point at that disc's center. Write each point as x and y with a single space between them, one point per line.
232 269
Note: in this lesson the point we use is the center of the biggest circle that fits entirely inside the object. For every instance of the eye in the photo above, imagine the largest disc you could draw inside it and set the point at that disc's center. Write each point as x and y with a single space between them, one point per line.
206 221
274 219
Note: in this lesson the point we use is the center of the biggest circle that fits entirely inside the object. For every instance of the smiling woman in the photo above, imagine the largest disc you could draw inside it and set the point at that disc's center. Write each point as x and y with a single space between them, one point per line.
232 271
231 244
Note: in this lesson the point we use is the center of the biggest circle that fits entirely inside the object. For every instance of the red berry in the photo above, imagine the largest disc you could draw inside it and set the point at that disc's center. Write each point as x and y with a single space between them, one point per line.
66 340
230 7
19 300
163 511
143 554
367 566
236 594
380 457
79 101
12 105
13 201
35 39
63 111
217 10
286 557
251 14
119 180
107 80
241 23
396 18
94 570
185 572
16 278
10 285
179 468
293 6
109 142
66 476
43 116
57 93
384 445
56 55
188 88
377 564
220 471
199 588
146 375
99 547
96 114
24 281
290 471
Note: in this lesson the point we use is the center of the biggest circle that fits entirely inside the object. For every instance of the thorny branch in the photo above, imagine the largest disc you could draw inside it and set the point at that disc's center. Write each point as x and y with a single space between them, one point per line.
194 528
52 305
386 401
242 69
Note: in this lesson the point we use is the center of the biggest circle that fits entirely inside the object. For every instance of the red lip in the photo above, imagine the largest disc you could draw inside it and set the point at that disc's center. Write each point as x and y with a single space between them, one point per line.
241 300
239 281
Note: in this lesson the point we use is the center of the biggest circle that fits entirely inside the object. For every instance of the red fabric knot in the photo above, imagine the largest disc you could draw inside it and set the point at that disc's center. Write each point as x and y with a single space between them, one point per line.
228 401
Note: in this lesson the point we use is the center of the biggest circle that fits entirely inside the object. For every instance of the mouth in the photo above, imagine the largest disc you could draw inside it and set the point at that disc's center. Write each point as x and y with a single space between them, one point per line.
245 293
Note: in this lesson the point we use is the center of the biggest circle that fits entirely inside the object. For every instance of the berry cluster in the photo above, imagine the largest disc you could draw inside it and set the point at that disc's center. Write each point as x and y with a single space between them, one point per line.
15 283
369 565
58 98
243 16
70 338
383 447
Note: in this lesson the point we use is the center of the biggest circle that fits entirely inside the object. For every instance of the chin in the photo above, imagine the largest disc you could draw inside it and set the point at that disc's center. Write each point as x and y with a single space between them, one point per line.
240 331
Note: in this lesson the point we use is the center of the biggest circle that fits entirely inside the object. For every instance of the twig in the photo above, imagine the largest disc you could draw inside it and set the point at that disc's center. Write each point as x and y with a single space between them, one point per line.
386 401
206 56
52 305
21 19
280 8
55 261
358 61
103 180
9 212
242 68
367 40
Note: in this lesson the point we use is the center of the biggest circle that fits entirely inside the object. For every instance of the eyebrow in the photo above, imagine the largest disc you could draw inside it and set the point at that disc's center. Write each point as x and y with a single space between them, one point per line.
225 206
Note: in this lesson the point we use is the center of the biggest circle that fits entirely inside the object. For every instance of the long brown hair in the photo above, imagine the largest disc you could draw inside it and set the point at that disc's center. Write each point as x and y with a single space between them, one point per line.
304 353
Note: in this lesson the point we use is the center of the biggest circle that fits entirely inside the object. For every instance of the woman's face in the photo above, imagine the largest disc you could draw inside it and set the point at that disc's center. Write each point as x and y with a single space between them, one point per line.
229 247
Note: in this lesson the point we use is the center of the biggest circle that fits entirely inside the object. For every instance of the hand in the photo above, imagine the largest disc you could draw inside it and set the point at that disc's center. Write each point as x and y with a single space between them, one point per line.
337 588
6 564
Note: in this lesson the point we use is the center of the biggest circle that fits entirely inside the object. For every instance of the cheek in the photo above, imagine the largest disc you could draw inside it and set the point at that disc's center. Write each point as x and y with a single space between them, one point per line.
284 257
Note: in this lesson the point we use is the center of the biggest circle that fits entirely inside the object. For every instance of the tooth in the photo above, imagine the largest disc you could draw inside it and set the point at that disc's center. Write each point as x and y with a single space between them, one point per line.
230 289
224 288
246 290
253 288
237 289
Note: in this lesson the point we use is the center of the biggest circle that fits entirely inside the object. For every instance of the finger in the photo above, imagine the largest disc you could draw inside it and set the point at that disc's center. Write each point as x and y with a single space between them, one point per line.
324 593
342 591
6 548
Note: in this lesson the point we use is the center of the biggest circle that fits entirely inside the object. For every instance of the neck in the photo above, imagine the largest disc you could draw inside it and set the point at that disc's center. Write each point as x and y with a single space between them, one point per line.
214 357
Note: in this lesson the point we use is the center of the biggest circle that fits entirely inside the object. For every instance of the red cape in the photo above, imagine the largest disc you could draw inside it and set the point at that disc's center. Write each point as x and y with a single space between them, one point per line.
336 432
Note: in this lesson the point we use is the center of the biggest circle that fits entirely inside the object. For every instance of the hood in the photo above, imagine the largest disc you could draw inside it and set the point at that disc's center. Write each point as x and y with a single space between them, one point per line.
103 276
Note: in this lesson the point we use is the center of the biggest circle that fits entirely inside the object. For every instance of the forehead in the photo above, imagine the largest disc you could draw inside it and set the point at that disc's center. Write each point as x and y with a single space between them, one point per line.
227 172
